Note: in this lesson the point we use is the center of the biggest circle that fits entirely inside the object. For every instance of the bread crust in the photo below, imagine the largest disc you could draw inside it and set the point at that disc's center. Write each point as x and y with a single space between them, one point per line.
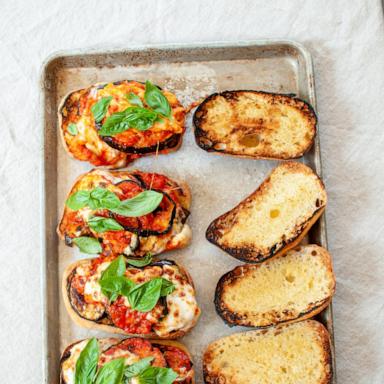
205 139
124 158
186 204
111 341
90 324
246 254
216 377
233 318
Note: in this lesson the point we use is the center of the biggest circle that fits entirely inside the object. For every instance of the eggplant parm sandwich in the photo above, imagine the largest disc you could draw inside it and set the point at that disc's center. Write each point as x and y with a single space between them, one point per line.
134 297
112 124
126 212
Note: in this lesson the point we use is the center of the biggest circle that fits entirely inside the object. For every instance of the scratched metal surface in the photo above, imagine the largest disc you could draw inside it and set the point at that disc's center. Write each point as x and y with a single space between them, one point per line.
191 72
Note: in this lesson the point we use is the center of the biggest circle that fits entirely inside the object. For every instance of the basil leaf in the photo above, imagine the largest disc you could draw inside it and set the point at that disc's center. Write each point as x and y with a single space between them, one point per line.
140 205
78 200
111 372
157 375
116 268
167 287
72 129
134 99
147 259
156 100
100 108
88 245
112 287
86 364
145 296
103 224
133 117
134 369
103 198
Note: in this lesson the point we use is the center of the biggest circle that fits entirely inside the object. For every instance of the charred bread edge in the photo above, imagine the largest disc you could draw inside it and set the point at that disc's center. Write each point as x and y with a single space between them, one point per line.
289 245
128 155
232 320
325 341
90 324
182 184
198 132
113 341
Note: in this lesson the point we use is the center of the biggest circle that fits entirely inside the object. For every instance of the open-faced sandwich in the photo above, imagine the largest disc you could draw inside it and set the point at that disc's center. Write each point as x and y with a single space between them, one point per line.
134 297
287 354
111 124
126 361
126 212
274 218
253 124
289 288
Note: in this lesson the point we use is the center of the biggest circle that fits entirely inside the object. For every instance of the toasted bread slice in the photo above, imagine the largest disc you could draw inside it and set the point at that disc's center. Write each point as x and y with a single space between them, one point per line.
289 354
289 288
253 124
133 352
274 218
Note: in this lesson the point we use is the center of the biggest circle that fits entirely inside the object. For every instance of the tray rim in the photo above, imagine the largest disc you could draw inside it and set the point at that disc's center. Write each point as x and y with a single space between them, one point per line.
118 49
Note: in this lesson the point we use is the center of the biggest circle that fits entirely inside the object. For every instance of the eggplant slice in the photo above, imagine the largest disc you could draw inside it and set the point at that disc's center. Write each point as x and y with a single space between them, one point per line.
161 218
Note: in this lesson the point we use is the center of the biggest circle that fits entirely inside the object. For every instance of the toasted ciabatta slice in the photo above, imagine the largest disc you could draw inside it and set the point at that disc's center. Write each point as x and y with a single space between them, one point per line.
290 288
288 354
165 354
274 218
253 124
172 315
83 127
161 230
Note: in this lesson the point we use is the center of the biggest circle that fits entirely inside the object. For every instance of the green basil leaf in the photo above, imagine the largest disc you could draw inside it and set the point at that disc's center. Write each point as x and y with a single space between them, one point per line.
103 198
100 108
156 100
72 129
112 287
86 364
140 205
116 268
103 224
144 297
167 287
133 117
134 99
147 259
157 375
134 369
111 372
78 200
88 245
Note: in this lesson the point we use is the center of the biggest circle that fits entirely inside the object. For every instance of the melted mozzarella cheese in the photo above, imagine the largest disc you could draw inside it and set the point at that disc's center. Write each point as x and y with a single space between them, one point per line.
92 287
69 365
181 304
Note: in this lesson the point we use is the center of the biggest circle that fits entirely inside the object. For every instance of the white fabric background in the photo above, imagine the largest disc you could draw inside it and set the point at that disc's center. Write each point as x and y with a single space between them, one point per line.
346 39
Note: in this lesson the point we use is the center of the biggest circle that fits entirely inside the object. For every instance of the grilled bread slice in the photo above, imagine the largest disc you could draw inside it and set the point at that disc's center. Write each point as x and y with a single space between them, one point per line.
165 353
289 288
274 218
253 124
289 354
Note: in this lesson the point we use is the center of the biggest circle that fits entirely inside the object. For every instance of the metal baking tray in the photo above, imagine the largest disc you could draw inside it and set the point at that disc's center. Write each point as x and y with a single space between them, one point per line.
217 182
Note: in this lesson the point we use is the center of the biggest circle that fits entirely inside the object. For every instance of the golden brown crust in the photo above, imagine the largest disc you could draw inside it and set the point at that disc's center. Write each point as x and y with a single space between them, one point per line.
229 279
80 321
253 254
212 376
110 157
109 342
259 116
175 242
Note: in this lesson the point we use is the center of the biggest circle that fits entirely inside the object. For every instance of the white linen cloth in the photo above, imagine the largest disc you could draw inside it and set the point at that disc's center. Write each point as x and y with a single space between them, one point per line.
346 39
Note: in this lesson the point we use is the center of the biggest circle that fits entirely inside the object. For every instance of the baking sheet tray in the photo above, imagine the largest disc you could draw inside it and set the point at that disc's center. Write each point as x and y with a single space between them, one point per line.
217 182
